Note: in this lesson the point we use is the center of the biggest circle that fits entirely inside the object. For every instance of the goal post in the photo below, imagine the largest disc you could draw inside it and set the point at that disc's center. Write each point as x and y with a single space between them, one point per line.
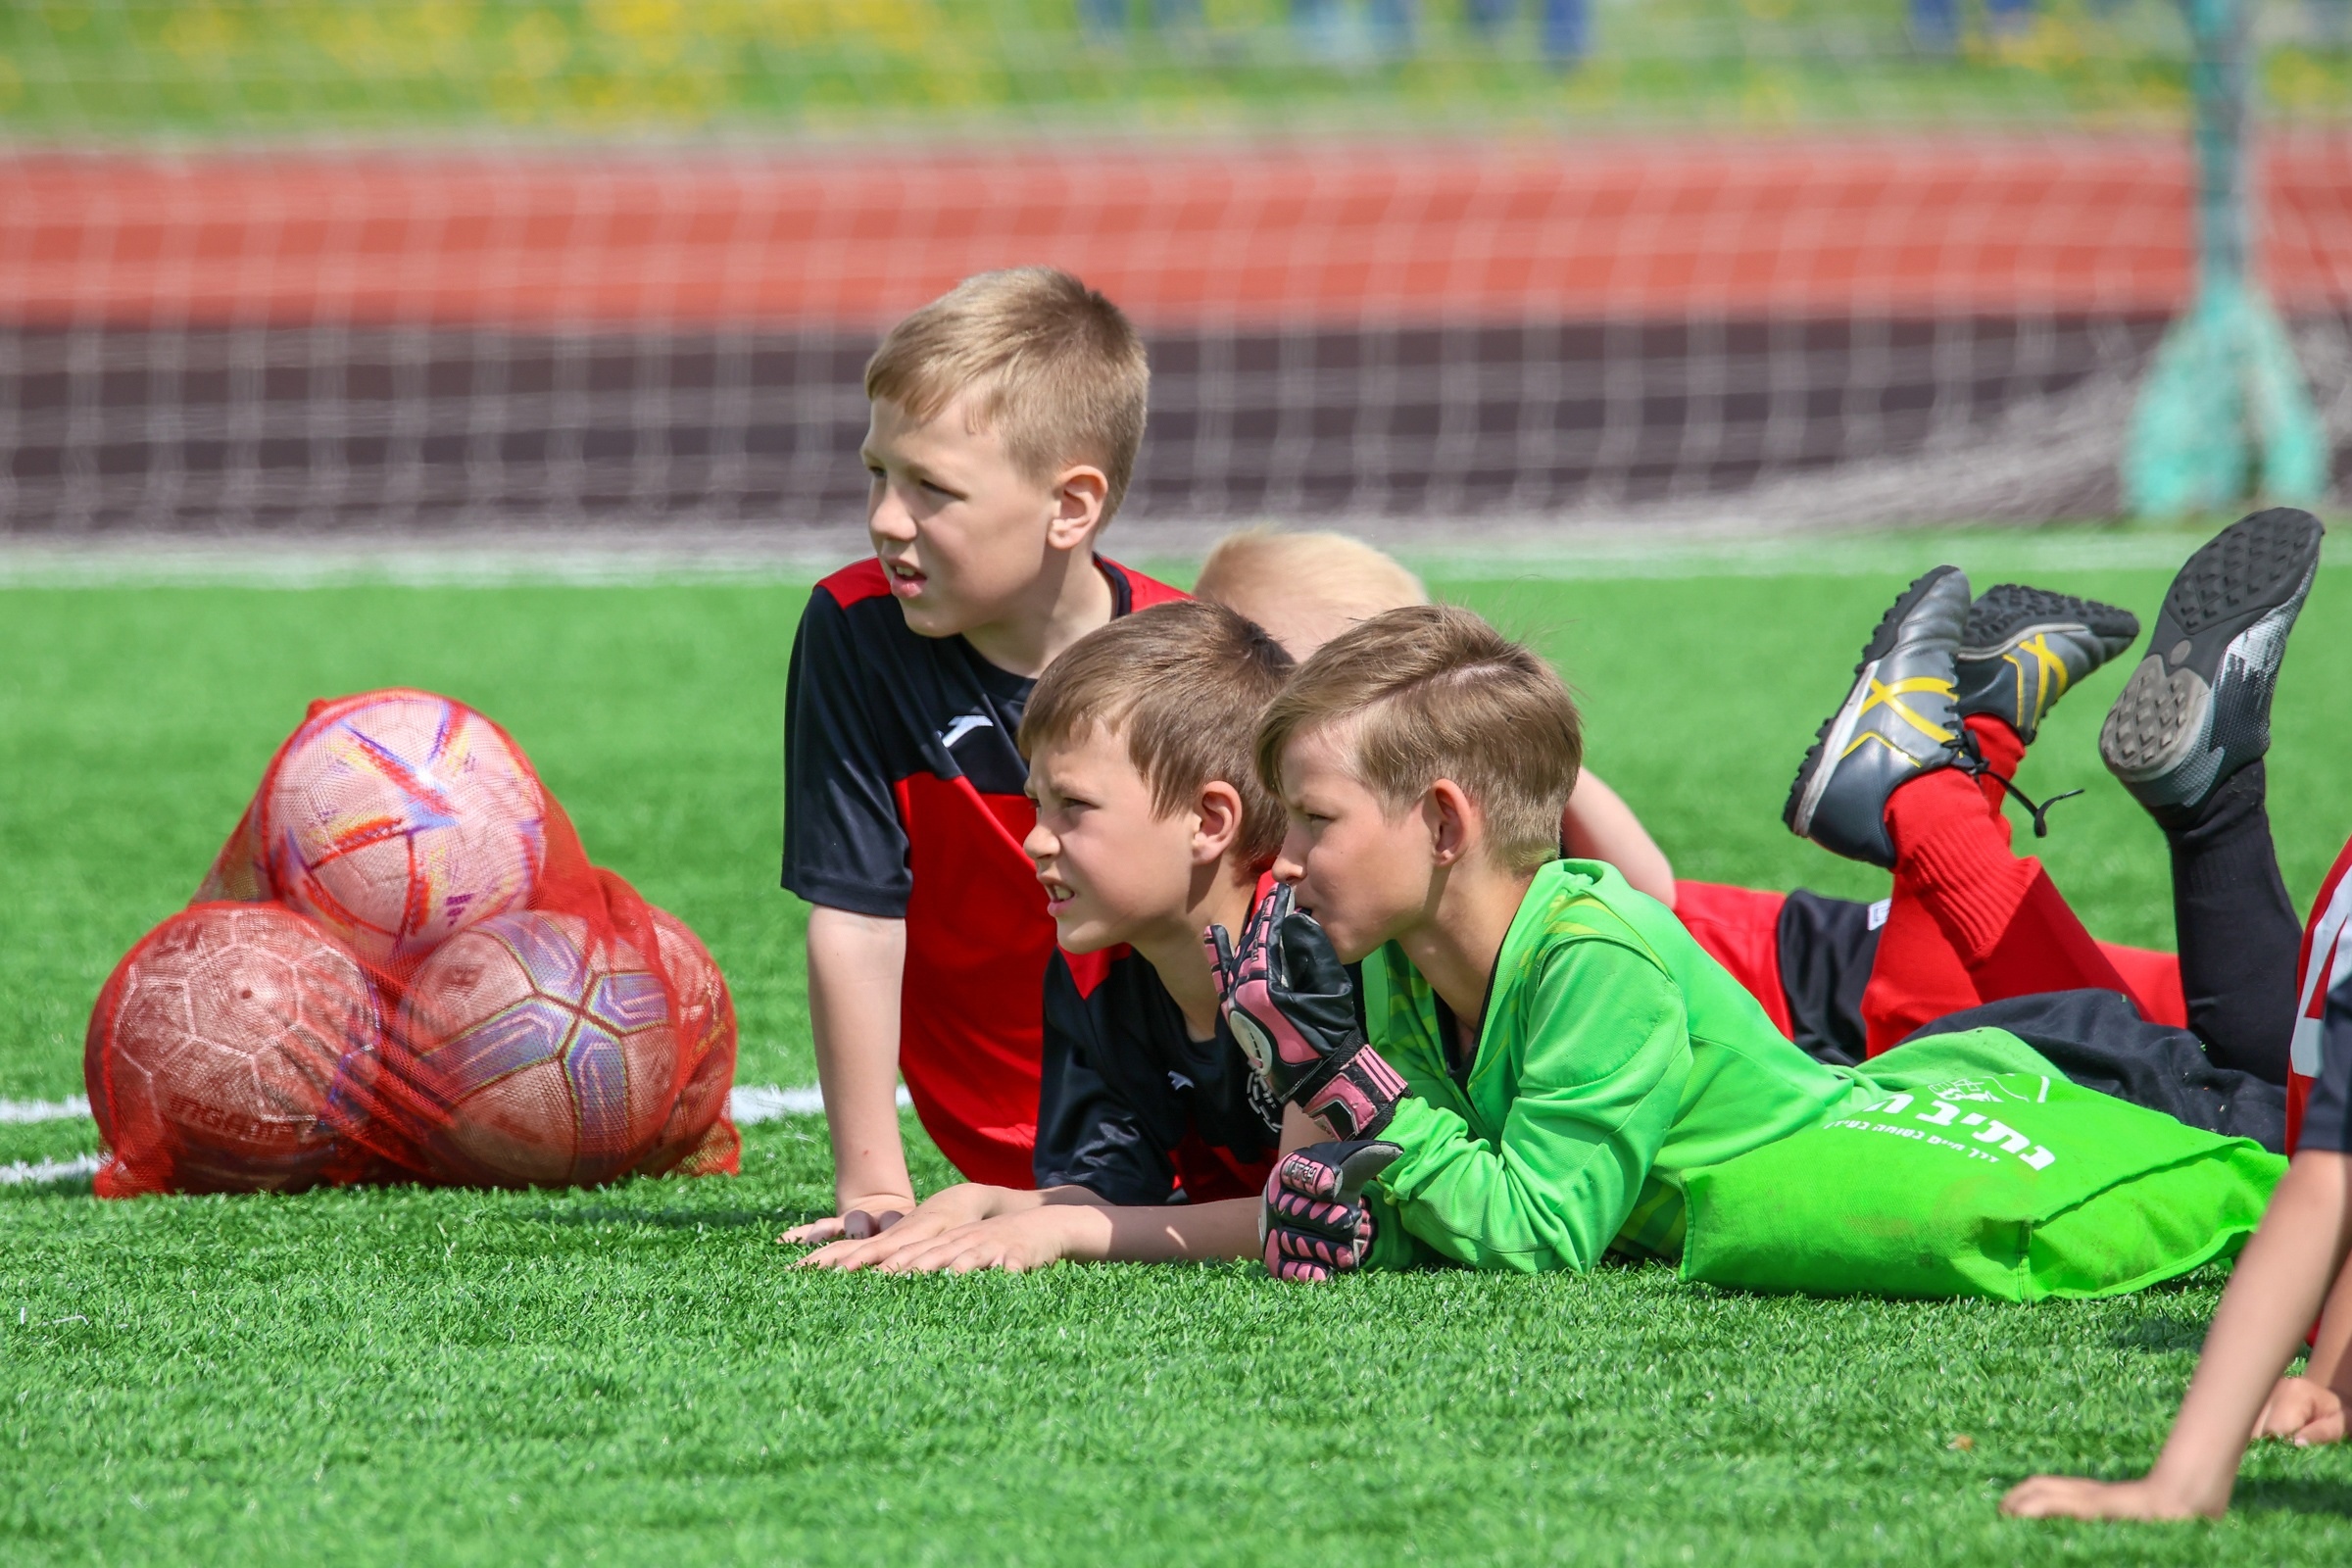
2225 412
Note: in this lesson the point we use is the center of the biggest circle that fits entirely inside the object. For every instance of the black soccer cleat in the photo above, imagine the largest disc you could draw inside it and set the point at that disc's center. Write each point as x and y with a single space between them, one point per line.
2025 648
1900 720
2198 708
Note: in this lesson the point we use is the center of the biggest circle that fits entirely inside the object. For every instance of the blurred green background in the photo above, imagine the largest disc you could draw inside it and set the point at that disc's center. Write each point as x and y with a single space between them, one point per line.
72 69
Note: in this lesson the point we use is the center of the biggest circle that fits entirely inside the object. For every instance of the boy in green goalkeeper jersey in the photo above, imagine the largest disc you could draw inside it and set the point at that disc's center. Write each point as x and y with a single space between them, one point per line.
1544 1058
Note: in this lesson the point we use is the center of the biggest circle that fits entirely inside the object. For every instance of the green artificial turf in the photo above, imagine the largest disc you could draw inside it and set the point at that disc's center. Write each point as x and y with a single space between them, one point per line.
633 1374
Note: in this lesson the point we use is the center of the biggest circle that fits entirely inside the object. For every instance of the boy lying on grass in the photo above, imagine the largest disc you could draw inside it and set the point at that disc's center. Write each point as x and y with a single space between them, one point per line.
1550 1068
1842 978
1154 1138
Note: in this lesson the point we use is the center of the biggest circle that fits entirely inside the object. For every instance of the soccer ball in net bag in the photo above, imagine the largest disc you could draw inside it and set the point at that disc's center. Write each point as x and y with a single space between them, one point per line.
553 1057
400 818
214 1047
707 1036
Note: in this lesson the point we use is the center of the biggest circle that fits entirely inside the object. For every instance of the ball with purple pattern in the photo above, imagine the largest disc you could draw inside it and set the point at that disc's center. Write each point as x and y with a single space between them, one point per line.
551 1052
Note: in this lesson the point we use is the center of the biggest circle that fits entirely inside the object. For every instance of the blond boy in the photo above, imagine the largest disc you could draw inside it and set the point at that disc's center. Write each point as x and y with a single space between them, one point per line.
1538 1063
1306 588
1006 417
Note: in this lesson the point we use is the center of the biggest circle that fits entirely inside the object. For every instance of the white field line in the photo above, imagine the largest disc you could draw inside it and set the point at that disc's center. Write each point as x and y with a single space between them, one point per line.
21 1171
748 1103
69 1108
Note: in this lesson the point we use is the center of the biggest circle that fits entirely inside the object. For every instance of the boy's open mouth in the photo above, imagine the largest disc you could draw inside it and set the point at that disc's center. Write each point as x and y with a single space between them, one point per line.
903 578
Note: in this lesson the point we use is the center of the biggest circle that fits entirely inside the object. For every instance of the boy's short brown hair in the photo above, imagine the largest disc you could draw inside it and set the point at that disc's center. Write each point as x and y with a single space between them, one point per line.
1434 692
1059 373
1184 683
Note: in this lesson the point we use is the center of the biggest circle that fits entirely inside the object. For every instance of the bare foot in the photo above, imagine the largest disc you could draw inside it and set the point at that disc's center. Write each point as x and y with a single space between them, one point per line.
2072 1497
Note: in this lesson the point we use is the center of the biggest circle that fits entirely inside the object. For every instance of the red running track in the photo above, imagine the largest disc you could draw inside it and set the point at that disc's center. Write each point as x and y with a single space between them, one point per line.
1294 235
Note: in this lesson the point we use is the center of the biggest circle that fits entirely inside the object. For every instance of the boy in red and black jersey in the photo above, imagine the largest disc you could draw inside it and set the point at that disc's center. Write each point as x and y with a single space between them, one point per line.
1133 1109
1155 1135
1006 419
911 808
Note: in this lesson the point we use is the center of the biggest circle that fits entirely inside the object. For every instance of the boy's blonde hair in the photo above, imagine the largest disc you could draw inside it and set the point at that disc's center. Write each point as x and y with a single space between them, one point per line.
1433 692
1330 569
1056 369
1184 683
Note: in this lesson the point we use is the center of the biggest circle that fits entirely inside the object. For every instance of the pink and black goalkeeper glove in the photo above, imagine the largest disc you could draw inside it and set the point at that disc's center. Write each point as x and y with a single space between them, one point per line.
1289 1002
1313 1224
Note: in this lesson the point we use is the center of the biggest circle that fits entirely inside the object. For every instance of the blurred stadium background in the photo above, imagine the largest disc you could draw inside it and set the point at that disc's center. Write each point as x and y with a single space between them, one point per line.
1464 268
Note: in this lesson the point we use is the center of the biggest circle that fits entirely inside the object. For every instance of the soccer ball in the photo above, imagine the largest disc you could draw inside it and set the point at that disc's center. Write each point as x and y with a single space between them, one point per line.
706 1035
553 1057
213 1046
400 818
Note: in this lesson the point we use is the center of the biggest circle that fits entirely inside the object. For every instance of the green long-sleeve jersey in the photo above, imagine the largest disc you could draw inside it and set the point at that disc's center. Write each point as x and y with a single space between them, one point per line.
1614 1056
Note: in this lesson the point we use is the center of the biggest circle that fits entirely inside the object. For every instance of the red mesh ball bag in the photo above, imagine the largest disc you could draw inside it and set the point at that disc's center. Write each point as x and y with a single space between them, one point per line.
213 1047
527 1020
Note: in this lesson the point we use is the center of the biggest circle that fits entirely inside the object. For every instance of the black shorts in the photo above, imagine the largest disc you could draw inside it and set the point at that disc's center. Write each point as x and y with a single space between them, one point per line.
1826 947
2097 1040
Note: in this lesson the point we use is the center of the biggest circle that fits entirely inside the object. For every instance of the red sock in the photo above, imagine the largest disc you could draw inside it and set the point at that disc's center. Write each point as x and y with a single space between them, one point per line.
1921 972
1998 917
1915 975
2004 752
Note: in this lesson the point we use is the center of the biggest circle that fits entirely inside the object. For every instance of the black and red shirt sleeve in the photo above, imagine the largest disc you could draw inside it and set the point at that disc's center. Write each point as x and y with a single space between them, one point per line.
1090 1133
844 845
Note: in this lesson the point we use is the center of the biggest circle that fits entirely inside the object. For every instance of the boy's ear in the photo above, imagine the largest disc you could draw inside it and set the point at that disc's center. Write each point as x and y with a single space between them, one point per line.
1454 821
1078 496
1220 808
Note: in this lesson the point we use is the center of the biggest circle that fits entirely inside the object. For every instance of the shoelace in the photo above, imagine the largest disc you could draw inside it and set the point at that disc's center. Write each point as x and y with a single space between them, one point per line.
1973 763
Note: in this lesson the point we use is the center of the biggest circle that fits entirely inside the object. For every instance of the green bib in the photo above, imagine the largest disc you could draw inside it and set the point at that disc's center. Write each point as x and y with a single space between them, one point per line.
1975 1169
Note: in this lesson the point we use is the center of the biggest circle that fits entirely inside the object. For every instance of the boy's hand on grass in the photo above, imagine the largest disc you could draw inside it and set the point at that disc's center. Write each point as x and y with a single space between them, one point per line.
2073 1498
886 1234
859 1218
1290 1005
2302 1412
1013 1242
1314 1224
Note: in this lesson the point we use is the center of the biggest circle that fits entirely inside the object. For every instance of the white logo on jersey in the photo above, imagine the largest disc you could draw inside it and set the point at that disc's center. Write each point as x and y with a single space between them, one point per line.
957 728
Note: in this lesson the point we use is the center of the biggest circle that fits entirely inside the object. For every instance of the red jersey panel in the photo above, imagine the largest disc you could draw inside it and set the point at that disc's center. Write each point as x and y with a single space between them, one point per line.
2319 1078
902 798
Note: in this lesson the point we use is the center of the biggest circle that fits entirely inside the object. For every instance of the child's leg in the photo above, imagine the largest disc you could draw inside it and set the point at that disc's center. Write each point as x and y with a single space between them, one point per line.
2187 736
2238 932
2099 1042
1969 921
